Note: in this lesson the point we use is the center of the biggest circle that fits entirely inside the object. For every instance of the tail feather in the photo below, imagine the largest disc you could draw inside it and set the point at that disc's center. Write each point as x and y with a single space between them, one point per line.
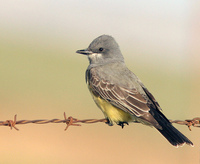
175 137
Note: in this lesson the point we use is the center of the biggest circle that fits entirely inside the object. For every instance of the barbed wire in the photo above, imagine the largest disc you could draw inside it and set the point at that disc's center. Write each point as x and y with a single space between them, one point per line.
70 121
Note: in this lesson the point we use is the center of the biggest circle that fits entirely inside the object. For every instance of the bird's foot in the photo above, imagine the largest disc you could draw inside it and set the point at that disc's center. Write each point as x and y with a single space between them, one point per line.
109 122
122 124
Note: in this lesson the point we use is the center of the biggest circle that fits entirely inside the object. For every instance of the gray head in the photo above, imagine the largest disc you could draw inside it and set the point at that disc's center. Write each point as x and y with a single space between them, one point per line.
102 50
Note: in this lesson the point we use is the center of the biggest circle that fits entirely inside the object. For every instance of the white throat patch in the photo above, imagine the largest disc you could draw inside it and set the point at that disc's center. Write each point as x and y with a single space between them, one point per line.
94 56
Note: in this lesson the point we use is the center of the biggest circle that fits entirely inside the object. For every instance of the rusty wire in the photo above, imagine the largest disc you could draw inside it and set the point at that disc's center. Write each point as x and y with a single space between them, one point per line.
70 121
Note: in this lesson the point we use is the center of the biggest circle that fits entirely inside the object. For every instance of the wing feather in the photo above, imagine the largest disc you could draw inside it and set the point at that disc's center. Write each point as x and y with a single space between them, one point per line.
129 100
150 96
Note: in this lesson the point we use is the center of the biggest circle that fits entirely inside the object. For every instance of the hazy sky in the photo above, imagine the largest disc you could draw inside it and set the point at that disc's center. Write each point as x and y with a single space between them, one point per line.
161 28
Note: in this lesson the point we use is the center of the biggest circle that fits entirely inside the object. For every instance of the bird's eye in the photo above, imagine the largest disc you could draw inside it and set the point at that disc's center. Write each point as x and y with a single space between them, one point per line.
100 49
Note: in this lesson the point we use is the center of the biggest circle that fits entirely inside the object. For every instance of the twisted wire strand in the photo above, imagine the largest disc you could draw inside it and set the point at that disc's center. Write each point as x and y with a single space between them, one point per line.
70 121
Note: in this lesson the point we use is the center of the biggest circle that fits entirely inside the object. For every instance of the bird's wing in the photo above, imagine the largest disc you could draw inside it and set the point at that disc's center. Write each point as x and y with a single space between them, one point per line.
150 96
129 100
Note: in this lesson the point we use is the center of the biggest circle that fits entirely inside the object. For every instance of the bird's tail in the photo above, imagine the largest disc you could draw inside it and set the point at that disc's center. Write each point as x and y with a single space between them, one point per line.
175 137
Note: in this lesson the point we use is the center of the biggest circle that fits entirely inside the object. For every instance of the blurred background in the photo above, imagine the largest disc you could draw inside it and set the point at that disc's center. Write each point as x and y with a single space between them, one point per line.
41 77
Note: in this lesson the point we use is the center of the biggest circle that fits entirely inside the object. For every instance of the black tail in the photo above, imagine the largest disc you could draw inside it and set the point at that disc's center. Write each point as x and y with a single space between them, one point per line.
175 137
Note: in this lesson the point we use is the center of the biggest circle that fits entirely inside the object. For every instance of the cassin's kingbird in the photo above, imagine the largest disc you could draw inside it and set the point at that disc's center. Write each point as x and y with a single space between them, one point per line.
120 94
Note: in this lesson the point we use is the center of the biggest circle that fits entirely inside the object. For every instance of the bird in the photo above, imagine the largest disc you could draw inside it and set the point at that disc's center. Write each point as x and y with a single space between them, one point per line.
120 94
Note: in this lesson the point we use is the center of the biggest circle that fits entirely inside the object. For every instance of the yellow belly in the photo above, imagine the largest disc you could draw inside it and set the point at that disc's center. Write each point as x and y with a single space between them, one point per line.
112 113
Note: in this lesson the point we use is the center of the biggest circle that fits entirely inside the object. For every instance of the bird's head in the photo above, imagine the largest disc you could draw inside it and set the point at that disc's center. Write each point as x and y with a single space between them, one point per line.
102 50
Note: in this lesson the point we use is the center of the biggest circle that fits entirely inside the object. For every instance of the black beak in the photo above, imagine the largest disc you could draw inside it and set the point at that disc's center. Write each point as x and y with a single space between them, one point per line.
84 52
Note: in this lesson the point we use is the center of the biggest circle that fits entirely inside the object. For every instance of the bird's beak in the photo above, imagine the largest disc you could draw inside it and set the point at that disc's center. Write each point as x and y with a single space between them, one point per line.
84 52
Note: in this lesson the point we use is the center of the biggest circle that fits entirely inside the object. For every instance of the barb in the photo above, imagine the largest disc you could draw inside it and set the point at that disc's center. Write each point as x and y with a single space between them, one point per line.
193 122
70 121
